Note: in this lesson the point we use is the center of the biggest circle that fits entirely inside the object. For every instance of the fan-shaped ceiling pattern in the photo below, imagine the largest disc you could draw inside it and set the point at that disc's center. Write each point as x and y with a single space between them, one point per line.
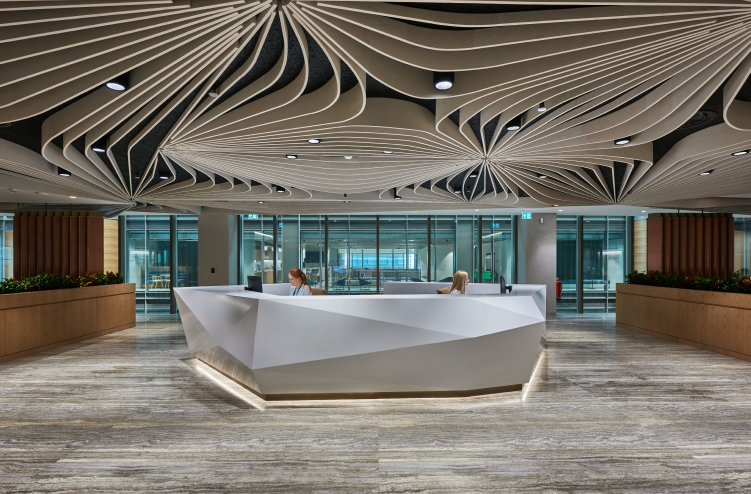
330 106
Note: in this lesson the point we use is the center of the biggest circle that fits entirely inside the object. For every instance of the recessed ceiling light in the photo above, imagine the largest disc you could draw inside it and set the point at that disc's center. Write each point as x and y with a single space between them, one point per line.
560 210
260 202
63 172
541 175
72 197
388 152
443 81
97 149
513 127
42 193
555 205
457 191
704 174
740 153
348 157
292 156
476 209
213 93
397 197
16 190
314 141
622 141
119 83
542 107
643 211
164 175
280 190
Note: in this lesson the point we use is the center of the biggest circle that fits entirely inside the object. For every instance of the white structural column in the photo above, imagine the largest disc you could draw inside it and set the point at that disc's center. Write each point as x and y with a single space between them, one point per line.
536 251
217 249
286 347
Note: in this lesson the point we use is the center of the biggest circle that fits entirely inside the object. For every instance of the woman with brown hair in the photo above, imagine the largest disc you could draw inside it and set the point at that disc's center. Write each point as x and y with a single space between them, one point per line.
299 283
461 279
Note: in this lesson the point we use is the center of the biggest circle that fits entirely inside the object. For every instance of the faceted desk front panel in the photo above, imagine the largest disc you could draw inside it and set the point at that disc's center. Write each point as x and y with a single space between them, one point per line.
278 345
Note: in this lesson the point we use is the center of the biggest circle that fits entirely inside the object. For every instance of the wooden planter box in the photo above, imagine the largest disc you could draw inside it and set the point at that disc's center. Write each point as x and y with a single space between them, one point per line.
714 321
37 321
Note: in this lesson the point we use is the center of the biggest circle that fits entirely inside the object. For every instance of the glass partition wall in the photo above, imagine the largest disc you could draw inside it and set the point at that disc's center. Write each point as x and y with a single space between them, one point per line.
6 247
603 245
148 260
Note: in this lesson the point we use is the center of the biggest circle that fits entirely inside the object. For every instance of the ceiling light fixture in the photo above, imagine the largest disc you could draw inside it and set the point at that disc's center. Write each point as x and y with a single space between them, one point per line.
622 141
72 197
555 205
397 197
292 156
348 157
740 153
643 211
457 191
541 175
99 146
314 141
164 175
704 174
443 81
560 210
260 202
542 107
513 127
388 152
280 190
63 172
119 83
213 93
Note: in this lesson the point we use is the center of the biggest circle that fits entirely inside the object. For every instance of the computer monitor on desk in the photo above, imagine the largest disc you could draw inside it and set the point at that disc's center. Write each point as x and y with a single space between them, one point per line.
255 284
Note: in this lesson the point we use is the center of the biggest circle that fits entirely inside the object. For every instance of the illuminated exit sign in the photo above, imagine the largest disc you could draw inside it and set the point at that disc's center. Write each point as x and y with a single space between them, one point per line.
526 216
252 216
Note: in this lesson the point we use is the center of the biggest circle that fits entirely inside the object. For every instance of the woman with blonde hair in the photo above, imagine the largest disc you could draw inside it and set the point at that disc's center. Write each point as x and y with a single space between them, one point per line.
461 280
299 283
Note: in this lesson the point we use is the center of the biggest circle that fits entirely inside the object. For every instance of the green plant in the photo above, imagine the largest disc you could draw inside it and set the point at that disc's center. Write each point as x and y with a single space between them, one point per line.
49 281
736 284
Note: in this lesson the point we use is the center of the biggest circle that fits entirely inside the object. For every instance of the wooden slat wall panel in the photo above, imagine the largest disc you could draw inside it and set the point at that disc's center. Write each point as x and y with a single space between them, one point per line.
68 245
111 238
689 244
640 245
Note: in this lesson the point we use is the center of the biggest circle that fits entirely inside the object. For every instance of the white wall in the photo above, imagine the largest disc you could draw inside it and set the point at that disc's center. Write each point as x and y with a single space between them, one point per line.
537 254
217 248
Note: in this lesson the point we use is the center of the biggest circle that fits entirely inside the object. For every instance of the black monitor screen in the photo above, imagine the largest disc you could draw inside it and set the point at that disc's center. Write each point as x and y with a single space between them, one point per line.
255 284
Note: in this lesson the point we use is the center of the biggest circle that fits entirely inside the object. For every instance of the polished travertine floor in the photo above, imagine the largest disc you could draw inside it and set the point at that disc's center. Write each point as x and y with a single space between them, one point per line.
608 410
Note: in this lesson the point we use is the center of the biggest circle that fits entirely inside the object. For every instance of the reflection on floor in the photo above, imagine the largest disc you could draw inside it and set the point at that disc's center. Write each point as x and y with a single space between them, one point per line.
609 410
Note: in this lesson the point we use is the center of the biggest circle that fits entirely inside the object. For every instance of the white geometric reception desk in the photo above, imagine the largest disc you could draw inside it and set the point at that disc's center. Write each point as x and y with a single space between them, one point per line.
367 346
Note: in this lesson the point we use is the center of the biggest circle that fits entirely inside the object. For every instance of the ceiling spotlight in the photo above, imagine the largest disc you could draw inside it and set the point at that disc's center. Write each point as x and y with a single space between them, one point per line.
292 156
560 210
280 189
622 141
99 147
388 152
397 197
541 175
72 197
513 127
119 83
260 202
542 107
136 177
213 93
704 174
443 81
314 141
643 211
457 191
740 153
348 157
473 175
476 210
63 172
555 205
164 175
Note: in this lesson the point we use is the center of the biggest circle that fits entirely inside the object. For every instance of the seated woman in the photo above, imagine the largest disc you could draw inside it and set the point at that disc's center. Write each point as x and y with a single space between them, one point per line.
461 280
299 283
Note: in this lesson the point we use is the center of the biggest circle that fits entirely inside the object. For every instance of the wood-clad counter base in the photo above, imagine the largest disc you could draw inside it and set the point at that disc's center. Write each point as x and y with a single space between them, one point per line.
373 396
38 321
713 321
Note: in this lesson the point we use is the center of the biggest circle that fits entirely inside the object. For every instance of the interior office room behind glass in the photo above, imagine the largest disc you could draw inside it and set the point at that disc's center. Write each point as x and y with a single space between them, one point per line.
364 251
